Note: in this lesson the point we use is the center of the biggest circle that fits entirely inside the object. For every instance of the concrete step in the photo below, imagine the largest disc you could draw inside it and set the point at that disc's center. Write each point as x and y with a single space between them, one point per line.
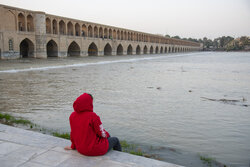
23 148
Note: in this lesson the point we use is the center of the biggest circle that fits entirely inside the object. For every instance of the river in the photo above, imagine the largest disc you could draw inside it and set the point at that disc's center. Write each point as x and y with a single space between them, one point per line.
177 106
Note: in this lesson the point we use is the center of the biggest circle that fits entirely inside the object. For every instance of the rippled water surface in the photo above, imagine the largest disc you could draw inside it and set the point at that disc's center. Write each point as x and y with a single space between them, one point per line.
177 106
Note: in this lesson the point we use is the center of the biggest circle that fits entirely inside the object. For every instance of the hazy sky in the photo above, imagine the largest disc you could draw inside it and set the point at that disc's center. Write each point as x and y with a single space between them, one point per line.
186 18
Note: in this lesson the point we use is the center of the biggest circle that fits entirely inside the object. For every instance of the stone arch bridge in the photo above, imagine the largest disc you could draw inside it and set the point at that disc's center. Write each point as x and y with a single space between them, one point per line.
25 33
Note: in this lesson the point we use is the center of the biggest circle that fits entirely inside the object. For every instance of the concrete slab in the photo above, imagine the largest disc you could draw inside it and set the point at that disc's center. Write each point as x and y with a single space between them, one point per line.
51 158
19 147
27 152
6 147
61 150
78 161
32 164
7 161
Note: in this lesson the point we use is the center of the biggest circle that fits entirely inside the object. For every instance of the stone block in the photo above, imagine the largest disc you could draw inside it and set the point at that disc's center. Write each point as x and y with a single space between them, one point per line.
6 147
27 148
10 161
32 164
77 161
27 153
71 152
51 158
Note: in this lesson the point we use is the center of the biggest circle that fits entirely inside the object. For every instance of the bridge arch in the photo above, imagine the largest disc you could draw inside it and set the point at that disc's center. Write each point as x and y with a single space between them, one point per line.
114 34
52 49
118 34
138 50
90 31
169 49
110 34
129 50
132 36
70 28
54 23
30 23
105 33
125 36
48 25
95 32
121 35
74 49
119 50
84 30
151 50
145 50
100 32
93 50
77 29
156 50
62 27
21 22
26 48
107 50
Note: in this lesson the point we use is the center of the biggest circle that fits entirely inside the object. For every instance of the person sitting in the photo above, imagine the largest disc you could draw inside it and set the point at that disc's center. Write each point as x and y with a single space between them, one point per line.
87 134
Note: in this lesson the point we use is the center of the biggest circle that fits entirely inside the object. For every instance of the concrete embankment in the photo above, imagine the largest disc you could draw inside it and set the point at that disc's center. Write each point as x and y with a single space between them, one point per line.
23 148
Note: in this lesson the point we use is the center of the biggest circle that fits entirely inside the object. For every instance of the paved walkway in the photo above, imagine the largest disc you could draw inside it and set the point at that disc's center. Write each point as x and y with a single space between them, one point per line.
23 148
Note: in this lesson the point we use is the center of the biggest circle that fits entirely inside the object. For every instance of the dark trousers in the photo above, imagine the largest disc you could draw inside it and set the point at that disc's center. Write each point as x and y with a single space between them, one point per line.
114 143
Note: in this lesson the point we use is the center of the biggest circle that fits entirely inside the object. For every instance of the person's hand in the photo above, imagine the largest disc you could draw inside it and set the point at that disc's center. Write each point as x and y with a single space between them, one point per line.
67 148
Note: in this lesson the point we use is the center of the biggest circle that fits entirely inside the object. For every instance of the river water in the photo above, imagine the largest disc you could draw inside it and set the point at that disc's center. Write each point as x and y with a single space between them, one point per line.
177 106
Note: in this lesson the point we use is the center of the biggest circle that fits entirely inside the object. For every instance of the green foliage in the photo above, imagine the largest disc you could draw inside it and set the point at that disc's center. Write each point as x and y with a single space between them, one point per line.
138 152
127 147
238 44
207 160
176 37
193 40
124 144
131 148
21 121
5 116
62 135
223 43
10 120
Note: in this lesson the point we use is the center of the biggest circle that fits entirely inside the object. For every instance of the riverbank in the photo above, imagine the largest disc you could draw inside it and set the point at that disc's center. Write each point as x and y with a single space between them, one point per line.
21 123
19 147
10 120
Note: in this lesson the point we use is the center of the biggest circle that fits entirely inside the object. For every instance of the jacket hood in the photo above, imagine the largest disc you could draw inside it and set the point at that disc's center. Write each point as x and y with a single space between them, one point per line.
83 103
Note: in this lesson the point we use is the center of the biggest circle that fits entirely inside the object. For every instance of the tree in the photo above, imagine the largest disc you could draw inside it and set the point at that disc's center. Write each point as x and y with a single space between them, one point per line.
176 37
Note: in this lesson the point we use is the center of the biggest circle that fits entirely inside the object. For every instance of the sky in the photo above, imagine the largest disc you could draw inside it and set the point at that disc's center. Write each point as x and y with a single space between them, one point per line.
185 18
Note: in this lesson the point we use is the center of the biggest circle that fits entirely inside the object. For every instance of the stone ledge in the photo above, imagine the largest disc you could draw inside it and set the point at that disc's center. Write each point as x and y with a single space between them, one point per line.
23 148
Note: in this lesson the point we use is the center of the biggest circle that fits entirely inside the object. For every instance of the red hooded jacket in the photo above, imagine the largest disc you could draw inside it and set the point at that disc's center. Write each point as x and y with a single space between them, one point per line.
87 134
